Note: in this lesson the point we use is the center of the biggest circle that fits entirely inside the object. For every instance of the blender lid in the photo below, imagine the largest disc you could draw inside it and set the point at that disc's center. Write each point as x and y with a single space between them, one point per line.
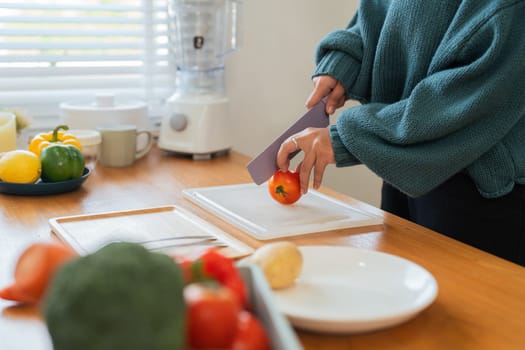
104 102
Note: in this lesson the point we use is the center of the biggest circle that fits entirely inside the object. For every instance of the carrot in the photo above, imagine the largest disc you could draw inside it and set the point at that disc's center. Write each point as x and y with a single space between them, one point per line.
34 269
12 293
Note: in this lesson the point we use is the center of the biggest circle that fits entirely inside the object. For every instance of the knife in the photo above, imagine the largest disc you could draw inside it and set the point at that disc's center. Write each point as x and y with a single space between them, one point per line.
263 166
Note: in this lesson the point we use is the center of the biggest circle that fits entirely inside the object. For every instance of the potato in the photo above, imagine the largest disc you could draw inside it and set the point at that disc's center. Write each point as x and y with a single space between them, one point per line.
281 263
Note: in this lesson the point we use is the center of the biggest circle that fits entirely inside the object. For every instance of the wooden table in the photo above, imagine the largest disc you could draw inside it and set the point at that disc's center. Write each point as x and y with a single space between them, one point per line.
481 301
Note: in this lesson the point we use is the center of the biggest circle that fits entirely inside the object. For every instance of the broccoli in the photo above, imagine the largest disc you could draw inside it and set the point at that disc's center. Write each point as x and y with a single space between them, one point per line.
120 297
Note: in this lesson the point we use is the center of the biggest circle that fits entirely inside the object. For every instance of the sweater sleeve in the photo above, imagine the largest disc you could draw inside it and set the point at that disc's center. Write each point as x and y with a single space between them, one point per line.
456 114
340 55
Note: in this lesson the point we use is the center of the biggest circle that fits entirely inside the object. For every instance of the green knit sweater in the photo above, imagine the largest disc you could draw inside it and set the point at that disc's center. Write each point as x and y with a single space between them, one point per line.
442 91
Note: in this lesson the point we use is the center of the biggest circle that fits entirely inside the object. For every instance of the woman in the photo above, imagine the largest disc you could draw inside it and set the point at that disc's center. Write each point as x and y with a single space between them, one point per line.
441 119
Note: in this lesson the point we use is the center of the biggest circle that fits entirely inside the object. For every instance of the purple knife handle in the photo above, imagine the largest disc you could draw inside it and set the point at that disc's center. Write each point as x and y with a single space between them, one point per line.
263 166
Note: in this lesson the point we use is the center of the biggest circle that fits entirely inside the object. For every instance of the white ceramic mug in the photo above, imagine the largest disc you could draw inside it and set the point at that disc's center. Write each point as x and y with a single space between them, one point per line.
119 145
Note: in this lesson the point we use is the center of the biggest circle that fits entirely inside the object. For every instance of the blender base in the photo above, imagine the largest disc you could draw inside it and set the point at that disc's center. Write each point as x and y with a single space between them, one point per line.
198 156
198 126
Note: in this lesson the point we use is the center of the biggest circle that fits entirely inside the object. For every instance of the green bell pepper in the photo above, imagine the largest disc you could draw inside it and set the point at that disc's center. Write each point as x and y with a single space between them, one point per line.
61 162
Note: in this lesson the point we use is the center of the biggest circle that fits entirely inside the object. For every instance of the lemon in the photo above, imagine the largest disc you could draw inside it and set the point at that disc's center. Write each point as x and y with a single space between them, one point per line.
19 166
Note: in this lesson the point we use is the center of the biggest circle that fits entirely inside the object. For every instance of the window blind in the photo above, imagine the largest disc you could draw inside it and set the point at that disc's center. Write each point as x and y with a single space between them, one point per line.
51 52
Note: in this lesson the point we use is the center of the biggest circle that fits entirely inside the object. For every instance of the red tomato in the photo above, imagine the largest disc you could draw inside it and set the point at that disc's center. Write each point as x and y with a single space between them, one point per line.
284 187
214 265
212 315
250 335
224 270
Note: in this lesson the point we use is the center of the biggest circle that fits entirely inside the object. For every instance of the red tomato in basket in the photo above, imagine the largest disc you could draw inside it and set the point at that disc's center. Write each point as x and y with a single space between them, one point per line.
251 335
212 312
284 187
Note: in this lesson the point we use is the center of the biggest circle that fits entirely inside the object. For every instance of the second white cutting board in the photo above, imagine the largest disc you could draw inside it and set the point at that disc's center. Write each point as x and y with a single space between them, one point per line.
252 209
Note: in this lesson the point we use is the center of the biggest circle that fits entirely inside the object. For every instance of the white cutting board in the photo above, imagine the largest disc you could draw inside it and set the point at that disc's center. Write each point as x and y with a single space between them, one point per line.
253 210
153 226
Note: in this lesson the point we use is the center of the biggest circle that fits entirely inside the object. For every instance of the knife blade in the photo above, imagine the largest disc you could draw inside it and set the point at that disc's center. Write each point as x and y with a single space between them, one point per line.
264 165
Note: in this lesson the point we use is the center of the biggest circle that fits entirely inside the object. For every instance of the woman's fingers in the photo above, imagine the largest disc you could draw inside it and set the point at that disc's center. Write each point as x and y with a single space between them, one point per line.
283 155
335 99
319 169
323 85
318 153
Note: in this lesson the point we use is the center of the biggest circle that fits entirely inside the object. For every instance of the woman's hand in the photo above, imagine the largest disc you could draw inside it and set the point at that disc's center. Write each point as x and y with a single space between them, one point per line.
318 153
325 85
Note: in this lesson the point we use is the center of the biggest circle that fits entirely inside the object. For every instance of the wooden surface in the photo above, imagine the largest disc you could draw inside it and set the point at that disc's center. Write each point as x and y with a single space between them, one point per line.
481 300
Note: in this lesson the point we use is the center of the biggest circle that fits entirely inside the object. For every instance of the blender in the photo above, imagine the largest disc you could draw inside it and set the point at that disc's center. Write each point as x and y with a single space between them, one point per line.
196 120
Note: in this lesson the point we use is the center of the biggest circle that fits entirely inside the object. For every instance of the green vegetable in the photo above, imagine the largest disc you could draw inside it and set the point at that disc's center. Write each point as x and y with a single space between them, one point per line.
61 162
121 297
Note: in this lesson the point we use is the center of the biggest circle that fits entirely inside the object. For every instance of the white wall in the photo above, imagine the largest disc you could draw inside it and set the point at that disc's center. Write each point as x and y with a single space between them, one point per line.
268 80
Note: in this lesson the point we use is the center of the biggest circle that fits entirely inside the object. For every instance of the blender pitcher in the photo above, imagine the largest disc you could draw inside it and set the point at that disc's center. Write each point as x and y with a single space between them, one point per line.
201 33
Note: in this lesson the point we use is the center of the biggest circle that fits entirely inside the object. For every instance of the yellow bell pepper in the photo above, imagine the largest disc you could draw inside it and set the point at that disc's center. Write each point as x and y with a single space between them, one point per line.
42 140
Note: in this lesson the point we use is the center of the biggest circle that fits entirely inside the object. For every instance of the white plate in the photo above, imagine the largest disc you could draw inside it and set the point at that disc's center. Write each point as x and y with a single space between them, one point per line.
349 290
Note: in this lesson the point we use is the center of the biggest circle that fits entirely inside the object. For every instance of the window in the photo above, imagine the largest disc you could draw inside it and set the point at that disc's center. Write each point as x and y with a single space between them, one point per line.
51 52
